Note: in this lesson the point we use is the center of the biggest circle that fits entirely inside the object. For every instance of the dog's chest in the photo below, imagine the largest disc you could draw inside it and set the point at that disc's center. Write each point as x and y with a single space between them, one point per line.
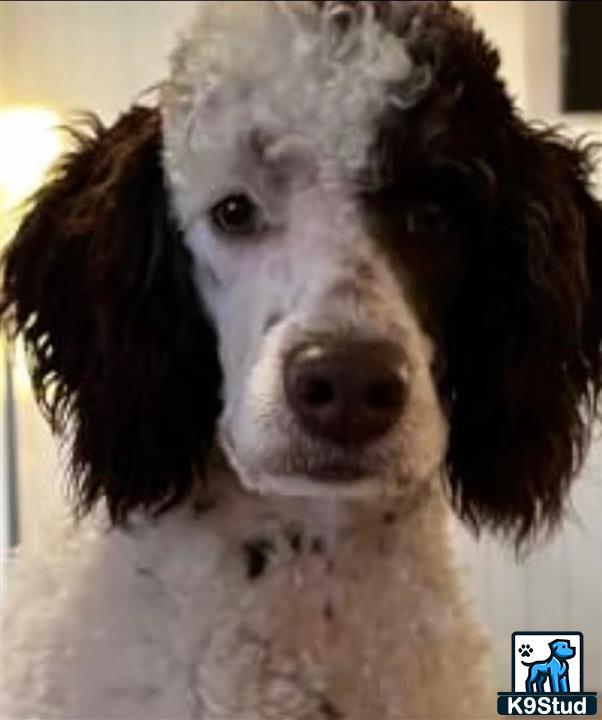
309 615
262 614
306 631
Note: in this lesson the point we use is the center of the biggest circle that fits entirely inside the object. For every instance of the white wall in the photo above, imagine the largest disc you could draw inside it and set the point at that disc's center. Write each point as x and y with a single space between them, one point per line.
99 55
88 54
528 37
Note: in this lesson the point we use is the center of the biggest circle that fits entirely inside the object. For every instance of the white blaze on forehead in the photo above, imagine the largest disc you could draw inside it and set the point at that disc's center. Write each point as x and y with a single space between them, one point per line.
285 68
276 101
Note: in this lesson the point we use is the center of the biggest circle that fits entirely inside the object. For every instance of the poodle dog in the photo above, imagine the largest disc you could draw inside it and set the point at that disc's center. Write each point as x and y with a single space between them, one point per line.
330 288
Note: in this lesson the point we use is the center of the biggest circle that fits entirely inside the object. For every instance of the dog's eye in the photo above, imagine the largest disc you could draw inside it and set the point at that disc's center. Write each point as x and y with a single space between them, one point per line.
236 215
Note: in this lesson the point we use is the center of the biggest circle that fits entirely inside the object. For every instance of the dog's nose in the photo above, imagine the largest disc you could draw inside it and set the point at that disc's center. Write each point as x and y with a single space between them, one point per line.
349 393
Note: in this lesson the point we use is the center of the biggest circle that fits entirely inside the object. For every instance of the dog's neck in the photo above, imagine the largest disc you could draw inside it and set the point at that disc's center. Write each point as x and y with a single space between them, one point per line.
328 517
371 526
326 586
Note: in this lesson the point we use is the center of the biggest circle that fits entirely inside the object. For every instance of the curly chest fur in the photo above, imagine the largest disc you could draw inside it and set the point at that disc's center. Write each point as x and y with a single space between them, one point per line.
267 607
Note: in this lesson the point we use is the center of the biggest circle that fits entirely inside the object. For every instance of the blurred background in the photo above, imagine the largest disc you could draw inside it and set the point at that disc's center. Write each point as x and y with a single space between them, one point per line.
59 56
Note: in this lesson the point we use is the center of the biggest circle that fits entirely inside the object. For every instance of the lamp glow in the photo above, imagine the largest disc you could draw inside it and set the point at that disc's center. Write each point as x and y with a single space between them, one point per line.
29 144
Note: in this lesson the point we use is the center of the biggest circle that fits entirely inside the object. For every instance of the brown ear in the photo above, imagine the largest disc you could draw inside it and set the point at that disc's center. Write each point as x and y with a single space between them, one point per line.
522 333
526 368
99 283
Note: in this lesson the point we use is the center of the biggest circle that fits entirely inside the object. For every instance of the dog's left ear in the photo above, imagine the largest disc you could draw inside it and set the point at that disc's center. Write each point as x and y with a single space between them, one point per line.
525 349
99 283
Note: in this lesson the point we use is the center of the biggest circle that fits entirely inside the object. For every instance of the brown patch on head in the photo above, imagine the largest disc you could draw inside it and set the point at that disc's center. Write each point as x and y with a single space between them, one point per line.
498 244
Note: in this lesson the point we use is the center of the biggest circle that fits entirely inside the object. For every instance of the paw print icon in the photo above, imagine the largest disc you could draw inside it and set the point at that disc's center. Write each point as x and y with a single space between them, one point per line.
525 650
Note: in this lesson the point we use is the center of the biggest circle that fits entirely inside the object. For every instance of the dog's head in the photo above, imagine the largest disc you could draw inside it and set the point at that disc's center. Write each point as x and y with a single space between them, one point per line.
337 244
562 649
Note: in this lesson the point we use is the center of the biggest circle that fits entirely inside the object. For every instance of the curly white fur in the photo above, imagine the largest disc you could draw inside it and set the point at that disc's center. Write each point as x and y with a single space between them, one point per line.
364 620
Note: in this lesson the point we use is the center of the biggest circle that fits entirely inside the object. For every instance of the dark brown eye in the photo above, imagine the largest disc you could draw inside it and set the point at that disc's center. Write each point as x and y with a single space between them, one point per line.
236 215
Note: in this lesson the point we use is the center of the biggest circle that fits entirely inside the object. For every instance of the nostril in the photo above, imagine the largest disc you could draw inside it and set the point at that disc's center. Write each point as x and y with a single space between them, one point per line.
317 391
384 394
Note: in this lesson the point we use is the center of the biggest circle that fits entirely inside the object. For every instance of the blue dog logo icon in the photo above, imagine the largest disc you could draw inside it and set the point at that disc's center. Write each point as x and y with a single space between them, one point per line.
553 686
555 669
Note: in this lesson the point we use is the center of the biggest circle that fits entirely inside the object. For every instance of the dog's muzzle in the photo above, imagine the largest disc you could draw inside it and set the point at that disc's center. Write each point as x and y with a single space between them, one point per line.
346 393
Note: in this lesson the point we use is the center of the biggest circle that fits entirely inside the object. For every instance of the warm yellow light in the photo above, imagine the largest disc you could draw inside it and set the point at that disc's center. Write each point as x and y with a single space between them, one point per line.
29 144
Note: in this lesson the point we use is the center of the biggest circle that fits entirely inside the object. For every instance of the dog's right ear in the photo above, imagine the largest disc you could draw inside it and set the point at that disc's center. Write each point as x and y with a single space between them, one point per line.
99 283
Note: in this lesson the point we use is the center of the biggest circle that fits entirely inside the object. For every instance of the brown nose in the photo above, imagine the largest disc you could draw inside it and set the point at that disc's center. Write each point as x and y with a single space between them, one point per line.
349 393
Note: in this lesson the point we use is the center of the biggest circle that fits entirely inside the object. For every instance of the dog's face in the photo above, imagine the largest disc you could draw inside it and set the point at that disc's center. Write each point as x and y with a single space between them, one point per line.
328 383
562 649
336 248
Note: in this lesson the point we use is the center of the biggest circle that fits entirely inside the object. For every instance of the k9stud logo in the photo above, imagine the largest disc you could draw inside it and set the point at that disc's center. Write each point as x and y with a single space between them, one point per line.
547 676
